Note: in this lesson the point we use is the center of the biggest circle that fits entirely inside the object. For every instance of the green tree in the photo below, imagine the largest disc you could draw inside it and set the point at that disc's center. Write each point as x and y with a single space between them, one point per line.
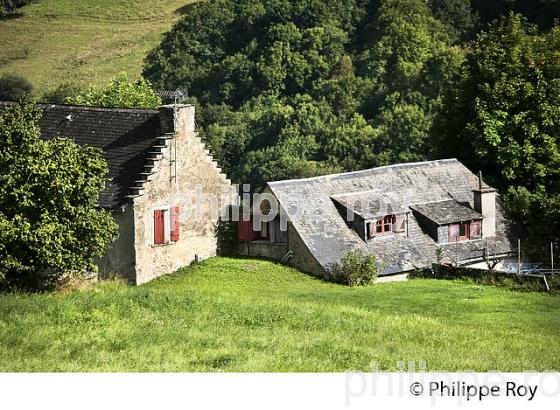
49 192
14 87
62 94
503 117
410 62
121 92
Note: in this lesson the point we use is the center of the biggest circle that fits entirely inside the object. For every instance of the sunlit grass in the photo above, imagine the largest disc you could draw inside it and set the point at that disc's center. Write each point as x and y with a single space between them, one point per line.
251 315
83 42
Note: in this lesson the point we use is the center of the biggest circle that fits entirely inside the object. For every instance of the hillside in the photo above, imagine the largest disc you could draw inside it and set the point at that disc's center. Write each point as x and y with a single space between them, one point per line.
56 41
252 315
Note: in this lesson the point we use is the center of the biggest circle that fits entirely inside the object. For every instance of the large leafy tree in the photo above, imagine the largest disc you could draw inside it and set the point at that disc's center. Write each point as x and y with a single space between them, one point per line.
49 190
503 118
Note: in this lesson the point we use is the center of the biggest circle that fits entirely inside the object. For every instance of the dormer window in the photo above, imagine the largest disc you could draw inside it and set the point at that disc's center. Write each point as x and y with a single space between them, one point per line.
384 226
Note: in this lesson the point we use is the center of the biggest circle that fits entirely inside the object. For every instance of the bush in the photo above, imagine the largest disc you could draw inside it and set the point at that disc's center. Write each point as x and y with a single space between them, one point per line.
14 87
50 224
354 269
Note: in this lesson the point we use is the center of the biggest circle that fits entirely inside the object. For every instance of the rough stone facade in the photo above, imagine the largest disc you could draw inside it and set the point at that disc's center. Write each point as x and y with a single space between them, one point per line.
184 172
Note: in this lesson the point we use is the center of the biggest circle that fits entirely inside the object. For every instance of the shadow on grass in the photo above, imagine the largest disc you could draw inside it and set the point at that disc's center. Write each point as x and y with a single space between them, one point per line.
11 16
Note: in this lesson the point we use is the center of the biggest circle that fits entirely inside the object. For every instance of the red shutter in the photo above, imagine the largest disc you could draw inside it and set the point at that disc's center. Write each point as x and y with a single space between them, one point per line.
244 231
159 231
476 229
175 224
453 232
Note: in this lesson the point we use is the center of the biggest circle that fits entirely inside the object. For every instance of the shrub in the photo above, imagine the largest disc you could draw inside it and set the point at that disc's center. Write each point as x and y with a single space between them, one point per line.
354 269
14 87
121 92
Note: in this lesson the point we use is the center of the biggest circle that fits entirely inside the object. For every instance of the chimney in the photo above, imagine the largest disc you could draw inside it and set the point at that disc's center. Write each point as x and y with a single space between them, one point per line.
177 118
485 203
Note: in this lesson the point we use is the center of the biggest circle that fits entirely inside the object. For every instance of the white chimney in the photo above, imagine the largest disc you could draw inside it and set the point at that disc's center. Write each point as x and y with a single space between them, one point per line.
177 118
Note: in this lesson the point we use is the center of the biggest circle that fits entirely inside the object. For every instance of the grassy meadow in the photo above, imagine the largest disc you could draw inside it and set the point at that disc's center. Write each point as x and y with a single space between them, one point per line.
83 42
252 315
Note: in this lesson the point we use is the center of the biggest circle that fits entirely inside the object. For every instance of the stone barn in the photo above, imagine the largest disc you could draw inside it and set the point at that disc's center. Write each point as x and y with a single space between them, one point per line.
407 215
159 170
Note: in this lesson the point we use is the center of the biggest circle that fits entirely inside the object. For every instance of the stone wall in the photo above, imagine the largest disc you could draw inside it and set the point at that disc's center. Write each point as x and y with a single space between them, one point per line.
185 171
269 250
302 258
120 257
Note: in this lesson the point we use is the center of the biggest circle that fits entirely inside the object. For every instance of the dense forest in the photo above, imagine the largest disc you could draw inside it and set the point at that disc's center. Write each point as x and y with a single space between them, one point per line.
297 88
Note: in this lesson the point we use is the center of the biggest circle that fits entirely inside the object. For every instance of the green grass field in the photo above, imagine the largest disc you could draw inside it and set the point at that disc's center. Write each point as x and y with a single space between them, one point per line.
251 315
83 41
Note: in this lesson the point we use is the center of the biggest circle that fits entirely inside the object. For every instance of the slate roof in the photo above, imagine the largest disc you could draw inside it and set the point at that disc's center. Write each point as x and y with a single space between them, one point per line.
328 237
372 204
447 212
125 136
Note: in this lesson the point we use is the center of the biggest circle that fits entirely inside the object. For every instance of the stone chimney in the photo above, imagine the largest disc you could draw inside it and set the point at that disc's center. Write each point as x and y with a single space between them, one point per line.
485 203
176 118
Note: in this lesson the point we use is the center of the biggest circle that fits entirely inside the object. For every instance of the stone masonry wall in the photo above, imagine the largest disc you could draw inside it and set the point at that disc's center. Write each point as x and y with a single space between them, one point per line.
302 258
178 184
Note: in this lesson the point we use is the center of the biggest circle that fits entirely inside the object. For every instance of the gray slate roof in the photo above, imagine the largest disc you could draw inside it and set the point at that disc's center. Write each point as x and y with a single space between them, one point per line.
328 237
125 136
372 204
447 212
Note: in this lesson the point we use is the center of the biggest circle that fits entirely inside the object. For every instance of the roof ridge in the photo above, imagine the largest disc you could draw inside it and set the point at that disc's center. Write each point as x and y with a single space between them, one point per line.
105 109
365 171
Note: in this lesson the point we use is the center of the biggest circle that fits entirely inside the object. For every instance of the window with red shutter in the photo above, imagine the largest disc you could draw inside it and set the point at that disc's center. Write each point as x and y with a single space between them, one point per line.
174 224
159 227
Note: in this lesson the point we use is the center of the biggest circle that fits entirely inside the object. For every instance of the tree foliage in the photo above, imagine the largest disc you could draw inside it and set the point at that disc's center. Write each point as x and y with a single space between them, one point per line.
121 92
503 118
296 88
48 200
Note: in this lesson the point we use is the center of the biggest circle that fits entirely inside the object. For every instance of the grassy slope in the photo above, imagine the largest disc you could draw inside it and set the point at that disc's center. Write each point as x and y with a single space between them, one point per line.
83 41
246 315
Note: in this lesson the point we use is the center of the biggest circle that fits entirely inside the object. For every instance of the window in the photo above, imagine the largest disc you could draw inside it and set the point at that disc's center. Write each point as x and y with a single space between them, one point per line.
166 225
382 227
464 231
385 225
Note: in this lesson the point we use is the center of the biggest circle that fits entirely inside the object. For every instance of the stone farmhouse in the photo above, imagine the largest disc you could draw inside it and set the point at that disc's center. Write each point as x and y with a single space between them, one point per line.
157 165
401 213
